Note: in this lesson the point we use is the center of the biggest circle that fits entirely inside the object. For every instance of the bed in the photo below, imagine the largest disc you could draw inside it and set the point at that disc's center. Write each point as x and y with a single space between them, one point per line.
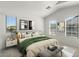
31 47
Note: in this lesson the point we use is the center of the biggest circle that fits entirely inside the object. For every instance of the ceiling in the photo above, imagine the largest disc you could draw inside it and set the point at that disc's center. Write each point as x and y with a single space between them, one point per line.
40 8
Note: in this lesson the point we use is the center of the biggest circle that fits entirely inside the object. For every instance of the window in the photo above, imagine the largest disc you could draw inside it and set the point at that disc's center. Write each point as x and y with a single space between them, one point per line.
11 23
52 27
72 28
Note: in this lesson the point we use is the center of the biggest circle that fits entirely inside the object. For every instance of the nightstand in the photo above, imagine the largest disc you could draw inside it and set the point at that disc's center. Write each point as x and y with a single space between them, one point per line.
11 42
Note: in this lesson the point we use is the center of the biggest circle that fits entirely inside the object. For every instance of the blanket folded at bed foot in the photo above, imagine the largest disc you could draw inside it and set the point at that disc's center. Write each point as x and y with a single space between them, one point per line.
24 44
34 49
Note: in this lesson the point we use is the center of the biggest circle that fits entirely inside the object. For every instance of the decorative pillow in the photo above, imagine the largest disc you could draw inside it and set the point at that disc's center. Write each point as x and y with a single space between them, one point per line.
23 35
36 34
28 35
18 35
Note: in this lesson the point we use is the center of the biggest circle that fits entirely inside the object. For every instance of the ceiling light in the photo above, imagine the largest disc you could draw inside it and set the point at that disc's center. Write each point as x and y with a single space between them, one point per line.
48 7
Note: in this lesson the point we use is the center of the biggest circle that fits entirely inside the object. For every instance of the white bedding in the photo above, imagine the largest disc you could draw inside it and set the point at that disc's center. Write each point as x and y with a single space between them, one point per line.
34 49
20 40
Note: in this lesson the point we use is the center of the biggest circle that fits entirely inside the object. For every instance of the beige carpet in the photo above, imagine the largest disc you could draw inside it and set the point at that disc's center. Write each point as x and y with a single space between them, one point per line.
67 52
10 52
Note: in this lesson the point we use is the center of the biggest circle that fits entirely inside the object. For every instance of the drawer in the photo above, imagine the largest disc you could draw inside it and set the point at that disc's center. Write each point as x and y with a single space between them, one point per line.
11 43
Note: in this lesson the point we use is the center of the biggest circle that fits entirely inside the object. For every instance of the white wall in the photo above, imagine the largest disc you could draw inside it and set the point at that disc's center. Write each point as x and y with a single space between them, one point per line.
60 15
38 23
2 30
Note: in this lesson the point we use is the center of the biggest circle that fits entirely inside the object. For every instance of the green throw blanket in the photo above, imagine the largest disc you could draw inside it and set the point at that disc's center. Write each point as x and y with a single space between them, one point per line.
23 45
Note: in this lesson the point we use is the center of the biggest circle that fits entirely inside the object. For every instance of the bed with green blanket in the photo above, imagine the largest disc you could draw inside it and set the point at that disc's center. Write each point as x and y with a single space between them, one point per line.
24 44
